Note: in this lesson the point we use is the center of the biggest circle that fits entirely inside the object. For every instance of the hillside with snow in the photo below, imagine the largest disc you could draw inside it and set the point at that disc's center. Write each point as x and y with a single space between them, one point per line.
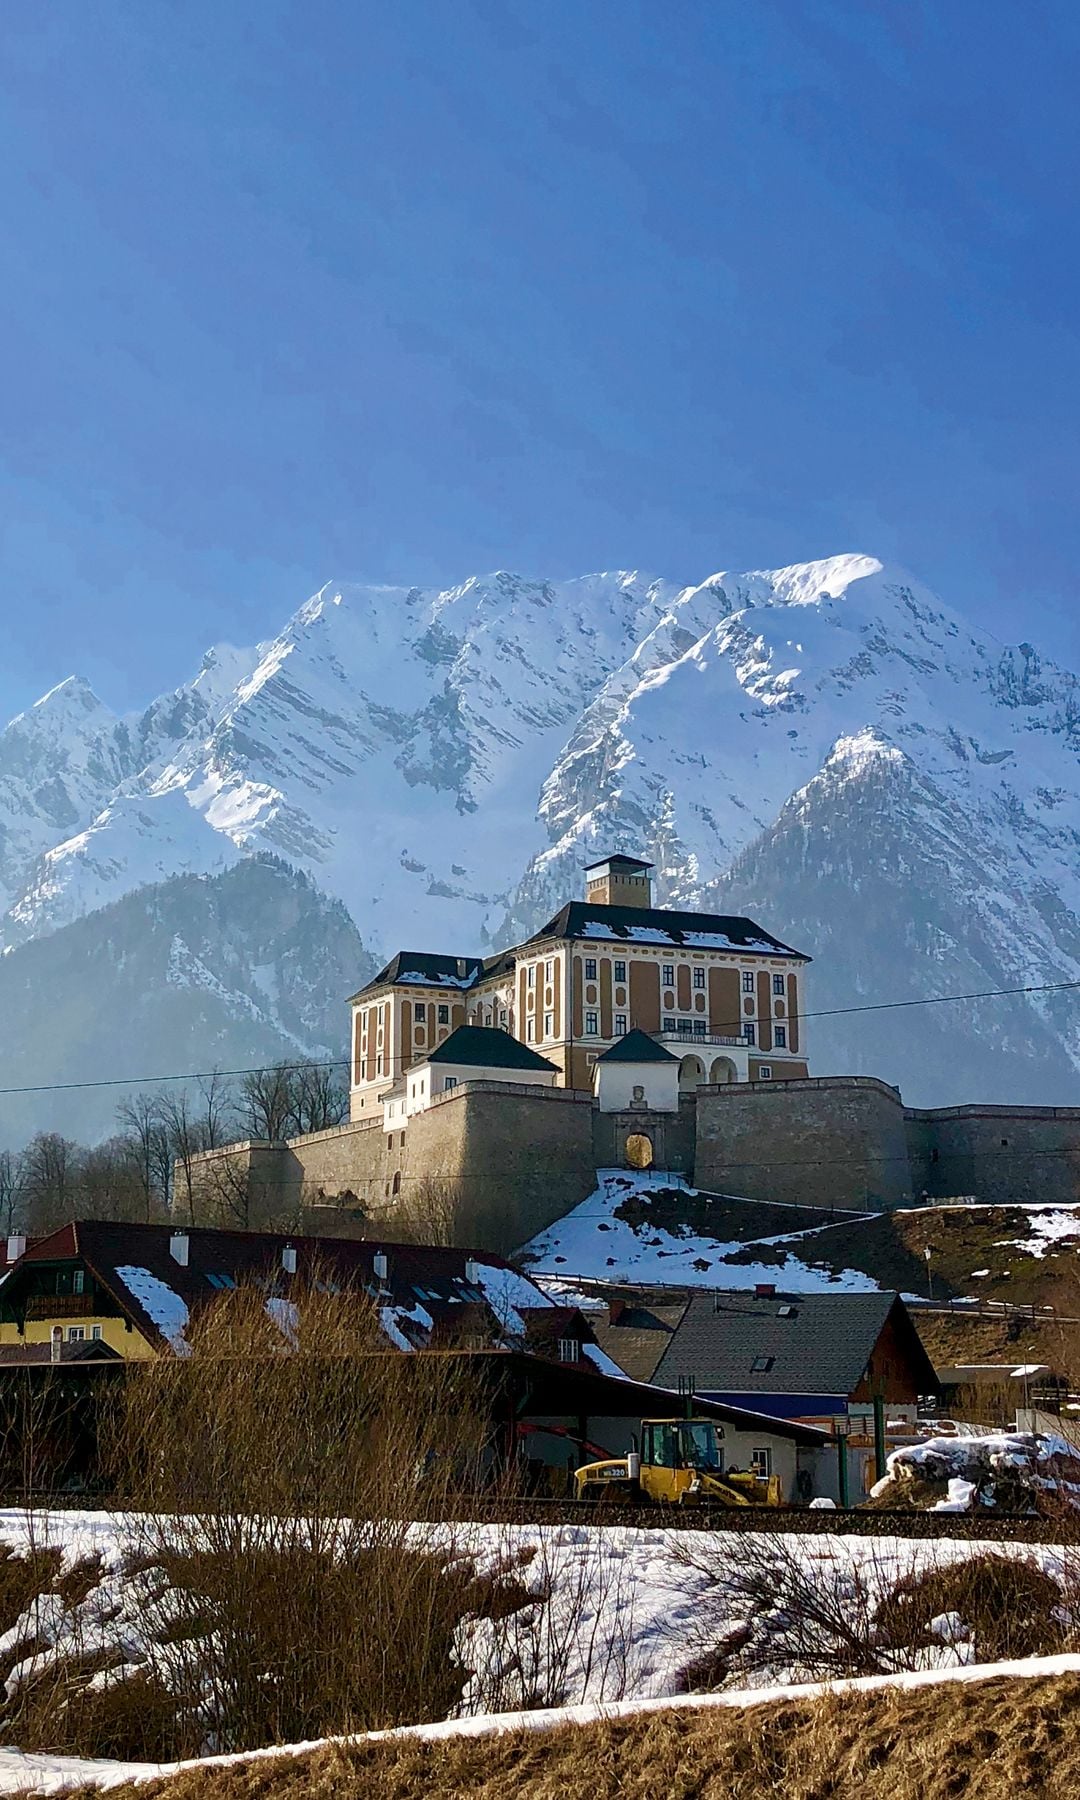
827 747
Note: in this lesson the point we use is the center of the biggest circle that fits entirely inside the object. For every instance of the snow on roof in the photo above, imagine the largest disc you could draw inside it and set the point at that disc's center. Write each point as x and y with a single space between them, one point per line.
160 1303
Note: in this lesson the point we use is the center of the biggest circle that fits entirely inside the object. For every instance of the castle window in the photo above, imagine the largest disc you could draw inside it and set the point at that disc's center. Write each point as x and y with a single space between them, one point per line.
378 1065
764 1072
530 1031
699 978
450 1082
620 971
669 975
395 1185
590 968
748 981
421 1012
549 969
778 986
699 1027
549 1025
620 1024
444 1015
504 1017
748 1031
780 1036
590 1024
530 976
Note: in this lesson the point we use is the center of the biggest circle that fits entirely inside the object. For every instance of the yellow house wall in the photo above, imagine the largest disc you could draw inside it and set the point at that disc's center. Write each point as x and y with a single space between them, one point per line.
129 1344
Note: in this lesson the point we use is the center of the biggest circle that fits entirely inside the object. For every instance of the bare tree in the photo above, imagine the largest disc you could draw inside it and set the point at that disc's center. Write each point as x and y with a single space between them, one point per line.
107 1183
319 1100
12 1192
266 1104
146 1133
215 1106
50 1174
185 1135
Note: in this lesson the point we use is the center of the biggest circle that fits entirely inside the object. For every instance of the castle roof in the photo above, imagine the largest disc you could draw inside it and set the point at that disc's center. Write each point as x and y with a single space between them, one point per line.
486 1046
617 861
579 919
426 968
636 1047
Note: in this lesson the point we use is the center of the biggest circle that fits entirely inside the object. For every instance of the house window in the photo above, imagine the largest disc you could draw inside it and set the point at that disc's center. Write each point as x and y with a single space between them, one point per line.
569 1350
761 1461
764 1072
620 971
778 986
590 968
748 981
669 974
699 978
530 1031
77 1280
780 1036
444 1015
748 1031
761 1365
620 1024
450 1082
590 1024
549 1025
530 976
76 1333
96 1333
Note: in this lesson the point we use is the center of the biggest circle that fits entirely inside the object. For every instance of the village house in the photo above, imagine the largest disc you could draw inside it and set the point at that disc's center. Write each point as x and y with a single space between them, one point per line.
721 994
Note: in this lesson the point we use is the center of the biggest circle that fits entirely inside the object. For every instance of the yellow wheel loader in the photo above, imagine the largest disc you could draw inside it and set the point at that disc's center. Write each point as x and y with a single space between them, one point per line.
681 1463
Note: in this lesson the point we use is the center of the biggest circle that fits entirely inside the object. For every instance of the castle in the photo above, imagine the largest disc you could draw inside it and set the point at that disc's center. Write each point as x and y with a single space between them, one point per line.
486 1092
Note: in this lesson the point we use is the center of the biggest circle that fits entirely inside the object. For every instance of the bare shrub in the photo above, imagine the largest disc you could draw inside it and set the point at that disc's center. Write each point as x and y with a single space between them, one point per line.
277 1472
572 1636
789 1608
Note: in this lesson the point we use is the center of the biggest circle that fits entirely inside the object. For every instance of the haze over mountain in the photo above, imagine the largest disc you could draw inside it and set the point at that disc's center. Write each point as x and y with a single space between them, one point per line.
826 746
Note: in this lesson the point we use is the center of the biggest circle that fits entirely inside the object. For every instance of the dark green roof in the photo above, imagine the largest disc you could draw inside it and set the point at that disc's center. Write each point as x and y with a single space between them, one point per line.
485 1046
637 1047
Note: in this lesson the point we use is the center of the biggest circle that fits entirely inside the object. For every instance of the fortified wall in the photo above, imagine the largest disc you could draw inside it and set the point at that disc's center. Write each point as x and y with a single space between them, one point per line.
492 1164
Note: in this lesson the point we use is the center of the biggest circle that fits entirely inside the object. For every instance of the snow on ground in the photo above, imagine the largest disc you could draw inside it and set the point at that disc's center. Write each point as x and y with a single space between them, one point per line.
33 1774
652 1603
592 1242
975 1467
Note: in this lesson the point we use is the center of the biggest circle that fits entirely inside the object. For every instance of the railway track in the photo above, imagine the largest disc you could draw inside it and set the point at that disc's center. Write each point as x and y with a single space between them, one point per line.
849 1521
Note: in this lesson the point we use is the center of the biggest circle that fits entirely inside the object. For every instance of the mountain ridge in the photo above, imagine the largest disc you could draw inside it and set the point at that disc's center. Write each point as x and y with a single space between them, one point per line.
827 744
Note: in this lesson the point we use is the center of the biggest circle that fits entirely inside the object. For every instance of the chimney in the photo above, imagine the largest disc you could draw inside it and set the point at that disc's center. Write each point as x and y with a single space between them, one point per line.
615 1311
16 1247
56 1343
180 1248
288 1259
472 1270
381 1265
765 1290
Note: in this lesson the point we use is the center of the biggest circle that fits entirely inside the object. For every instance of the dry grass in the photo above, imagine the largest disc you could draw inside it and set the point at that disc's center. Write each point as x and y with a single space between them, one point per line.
990 1741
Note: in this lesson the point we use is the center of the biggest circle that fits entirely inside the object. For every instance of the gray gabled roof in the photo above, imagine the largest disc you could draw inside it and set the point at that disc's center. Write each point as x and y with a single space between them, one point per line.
636 1047
814 1343
580 919
486 1046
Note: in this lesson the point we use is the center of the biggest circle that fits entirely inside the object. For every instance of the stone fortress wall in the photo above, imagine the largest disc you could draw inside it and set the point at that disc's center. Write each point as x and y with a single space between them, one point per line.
492 1164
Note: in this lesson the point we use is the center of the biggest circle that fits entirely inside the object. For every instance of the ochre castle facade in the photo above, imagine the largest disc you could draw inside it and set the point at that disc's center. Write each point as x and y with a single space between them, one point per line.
721 993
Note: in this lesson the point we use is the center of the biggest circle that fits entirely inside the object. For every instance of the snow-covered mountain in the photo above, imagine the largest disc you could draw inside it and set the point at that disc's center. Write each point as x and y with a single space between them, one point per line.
827 745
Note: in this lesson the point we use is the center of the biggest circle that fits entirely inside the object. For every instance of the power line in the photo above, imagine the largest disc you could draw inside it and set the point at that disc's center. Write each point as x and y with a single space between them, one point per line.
342 1062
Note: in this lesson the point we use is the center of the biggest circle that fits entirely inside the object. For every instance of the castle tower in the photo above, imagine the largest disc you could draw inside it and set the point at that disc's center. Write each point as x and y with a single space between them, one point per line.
619 881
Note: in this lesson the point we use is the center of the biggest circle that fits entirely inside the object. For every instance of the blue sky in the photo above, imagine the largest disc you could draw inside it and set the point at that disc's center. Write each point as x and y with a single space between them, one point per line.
413 291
